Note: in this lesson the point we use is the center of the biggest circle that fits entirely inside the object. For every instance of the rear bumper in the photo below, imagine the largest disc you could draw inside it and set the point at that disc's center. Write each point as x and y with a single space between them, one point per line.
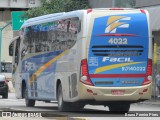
134 94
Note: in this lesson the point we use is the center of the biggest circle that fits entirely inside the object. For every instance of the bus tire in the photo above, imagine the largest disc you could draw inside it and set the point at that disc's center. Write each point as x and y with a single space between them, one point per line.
28 102
5 96
62 106
77 106
120 108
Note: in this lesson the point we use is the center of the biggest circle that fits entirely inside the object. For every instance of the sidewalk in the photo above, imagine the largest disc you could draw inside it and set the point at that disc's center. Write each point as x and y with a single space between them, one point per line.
153 101
11 88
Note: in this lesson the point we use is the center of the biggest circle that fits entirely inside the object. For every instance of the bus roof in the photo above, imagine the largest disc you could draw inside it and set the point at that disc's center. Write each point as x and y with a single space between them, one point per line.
56 16
50 17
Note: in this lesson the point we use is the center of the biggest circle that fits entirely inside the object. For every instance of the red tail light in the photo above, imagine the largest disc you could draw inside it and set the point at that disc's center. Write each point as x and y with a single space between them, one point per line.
149 67
89 11
148 78
143 11
84 73
116 9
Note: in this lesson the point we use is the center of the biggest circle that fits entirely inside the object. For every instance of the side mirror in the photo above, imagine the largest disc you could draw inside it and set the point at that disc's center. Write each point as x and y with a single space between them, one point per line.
11 50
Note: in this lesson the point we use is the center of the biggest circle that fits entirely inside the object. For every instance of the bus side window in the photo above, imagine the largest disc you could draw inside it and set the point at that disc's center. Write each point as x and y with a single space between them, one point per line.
11 49
17 51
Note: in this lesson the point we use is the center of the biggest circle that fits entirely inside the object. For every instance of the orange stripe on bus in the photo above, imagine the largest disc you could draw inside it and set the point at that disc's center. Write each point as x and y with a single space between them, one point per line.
42 68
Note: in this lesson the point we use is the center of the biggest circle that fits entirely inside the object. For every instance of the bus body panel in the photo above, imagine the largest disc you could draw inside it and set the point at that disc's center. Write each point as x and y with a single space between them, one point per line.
118 50
42 70
104 94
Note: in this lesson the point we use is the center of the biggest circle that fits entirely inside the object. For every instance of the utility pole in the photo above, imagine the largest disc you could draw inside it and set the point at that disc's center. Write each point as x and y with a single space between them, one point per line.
1 29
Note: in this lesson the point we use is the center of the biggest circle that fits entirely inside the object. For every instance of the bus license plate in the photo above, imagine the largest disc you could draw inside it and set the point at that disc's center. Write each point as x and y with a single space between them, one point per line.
117 92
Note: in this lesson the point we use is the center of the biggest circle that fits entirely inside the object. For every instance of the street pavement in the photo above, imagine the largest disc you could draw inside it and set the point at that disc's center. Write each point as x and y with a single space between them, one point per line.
153 101
90 112
95 110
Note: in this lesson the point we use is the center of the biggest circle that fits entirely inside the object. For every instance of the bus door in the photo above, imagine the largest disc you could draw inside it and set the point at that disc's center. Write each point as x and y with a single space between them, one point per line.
14 50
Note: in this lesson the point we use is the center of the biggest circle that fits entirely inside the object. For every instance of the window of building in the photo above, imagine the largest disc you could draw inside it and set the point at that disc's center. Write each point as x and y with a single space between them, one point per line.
32 1
125 3
6 67
14 0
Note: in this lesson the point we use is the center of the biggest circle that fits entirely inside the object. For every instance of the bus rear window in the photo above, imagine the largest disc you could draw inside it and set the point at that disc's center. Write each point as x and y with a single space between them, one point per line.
104 50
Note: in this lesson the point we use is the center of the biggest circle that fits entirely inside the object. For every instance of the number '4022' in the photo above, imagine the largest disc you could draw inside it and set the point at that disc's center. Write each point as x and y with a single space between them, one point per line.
118 41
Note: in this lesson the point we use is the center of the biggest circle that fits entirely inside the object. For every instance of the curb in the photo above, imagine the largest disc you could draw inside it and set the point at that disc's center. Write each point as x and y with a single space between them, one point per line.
152 102
11 88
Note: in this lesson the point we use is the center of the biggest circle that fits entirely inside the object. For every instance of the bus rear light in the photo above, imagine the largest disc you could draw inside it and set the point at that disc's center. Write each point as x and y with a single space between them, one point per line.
149 68
148 78
90 91
95 94
84 73
145 90
140 93
117 35
89 11
116 9
143 11
84 78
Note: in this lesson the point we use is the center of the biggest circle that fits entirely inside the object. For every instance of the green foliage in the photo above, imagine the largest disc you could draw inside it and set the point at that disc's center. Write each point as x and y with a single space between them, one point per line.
55 6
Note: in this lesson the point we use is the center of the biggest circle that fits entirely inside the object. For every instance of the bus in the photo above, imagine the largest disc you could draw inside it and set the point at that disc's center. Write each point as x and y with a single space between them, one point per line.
96 56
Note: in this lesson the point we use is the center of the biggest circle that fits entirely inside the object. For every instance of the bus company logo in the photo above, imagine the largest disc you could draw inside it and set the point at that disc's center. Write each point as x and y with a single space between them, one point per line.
114 22
114 59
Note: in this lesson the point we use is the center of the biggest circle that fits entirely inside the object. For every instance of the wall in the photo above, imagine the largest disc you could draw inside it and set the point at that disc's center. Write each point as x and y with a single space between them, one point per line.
7 36
19 3
101 3
144 3
5 15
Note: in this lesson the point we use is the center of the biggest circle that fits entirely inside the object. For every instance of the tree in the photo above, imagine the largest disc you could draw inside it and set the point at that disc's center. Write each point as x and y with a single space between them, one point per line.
55 6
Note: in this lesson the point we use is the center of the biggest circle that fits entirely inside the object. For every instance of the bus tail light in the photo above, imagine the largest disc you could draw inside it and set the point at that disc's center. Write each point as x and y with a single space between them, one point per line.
148 77
116 9
84 73
89 11
143 11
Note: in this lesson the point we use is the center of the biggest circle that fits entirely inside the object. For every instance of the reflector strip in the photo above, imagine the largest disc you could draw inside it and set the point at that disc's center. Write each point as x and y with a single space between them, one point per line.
117 35
117 75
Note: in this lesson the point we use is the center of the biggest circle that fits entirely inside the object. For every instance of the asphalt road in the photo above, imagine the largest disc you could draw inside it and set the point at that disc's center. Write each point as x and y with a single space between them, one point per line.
90 112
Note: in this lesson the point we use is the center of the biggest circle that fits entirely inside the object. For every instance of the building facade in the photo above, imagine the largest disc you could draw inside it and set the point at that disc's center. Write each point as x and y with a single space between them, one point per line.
112 3
6 35
7 6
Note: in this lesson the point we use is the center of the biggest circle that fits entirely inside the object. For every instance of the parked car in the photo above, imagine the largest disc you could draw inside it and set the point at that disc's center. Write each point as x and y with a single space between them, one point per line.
3 87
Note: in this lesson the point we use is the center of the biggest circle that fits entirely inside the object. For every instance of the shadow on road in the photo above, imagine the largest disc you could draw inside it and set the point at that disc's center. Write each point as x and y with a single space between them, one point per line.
52 111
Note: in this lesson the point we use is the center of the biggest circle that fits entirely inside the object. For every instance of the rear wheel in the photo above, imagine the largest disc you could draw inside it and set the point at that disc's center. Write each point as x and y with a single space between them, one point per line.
77 106
62 106
121 108
29 102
